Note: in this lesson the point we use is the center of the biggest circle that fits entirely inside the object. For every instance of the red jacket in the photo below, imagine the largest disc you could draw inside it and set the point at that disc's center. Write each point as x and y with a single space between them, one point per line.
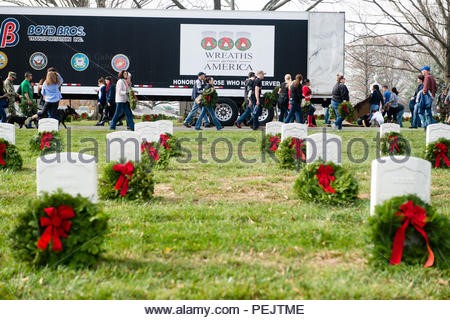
430 84
306 91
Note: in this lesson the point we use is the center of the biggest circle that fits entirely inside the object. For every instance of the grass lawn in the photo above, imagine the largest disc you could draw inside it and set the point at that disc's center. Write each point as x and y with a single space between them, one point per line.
230 230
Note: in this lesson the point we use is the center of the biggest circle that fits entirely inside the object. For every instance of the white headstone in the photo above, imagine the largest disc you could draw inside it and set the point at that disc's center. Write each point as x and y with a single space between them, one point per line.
294 130
48 125
148 131
323 146
123 146
399 176
389 127
8 132
73 173
437 131
275 127
165 126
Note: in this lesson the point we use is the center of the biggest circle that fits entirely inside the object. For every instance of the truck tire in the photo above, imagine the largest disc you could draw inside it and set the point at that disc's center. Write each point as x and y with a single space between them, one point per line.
226 111
266 116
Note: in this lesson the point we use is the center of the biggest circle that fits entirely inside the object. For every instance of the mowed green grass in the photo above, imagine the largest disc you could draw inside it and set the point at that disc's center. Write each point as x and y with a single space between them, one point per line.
230 230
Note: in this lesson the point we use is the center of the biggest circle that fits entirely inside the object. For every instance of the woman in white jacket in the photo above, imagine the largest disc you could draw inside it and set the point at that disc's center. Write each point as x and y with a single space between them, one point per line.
122 104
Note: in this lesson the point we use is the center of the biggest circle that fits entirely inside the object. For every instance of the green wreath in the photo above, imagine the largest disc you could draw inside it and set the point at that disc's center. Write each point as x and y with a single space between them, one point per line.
47 142
9 156
84 232
136 184
270 143
291 153
28 110
394 144
385 224
438 153
305 110
326 183
346 111
132 99
209 98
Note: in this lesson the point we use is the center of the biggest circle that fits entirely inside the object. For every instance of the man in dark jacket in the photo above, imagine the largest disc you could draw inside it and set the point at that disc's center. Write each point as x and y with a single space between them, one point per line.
248 88
197 90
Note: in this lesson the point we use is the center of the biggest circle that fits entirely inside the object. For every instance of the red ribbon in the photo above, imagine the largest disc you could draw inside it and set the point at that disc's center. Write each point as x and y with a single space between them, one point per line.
344 107
393 144
57 225
440 151
274 142
325 175
298 144
417 217
126 172
2 152
147 146
163 139
46 138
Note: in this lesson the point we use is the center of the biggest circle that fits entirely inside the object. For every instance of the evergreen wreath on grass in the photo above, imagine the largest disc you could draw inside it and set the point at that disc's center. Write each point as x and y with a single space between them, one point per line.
326 183
154 155
9 156
130 181
209 98
291 153
46 142
270 143
346 111
407 230
438 153
394 144
28 110
60 229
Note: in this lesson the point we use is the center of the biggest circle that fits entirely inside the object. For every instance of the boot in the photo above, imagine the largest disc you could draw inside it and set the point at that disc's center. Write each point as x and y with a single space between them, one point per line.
310 121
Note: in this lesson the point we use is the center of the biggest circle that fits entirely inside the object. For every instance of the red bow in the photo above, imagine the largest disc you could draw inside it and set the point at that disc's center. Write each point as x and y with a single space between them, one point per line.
274 142
345 109
126 172
57 225
147 146
325 175
393 144
2 152
163 139
441 153
298 143
417 216
46 138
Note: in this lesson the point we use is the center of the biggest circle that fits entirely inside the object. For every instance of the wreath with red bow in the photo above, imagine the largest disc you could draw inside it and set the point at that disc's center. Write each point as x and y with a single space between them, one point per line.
158 154
60 229
409 231
325 183
130 181
209 98
291 153
46 142
347 111
394 144
438 153
270 143
9 156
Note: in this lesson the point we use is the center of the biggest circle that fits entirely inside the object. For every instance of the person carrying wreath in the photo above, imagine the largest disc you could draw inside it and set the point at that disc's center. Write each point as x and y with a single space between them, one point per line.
248 88
122 96
209 89
197 90
306 92
255 99
295 100
339 94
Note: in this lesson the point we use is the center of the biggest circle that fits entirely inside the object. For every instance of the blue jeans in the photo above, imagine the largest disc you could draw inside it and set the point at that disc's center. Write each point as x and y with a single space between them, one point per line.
191 114
426 117
415 117
339 119
257 111
51 109
295 112
400 112
327 115
2 115
247 112
212 114
373 107
122 107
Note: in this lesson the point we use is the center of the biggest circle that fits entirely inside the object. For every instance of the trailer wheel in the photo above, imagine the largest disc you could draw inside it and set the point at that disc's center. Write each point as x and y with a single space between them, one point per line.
226 111
266 116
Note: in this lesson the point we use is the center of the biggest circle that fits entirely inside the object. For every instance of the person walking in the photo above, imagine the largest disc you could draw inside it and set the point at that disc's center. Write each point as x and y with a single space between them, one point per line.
393 106
415 119
197 90
326 110
12 95
295 100
26 89
101 101
3 102
248 88
386 99
443 104
52 94
283 97
376 99
110 108
429 92
208 109
306 92
122 103
256 99
339 94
